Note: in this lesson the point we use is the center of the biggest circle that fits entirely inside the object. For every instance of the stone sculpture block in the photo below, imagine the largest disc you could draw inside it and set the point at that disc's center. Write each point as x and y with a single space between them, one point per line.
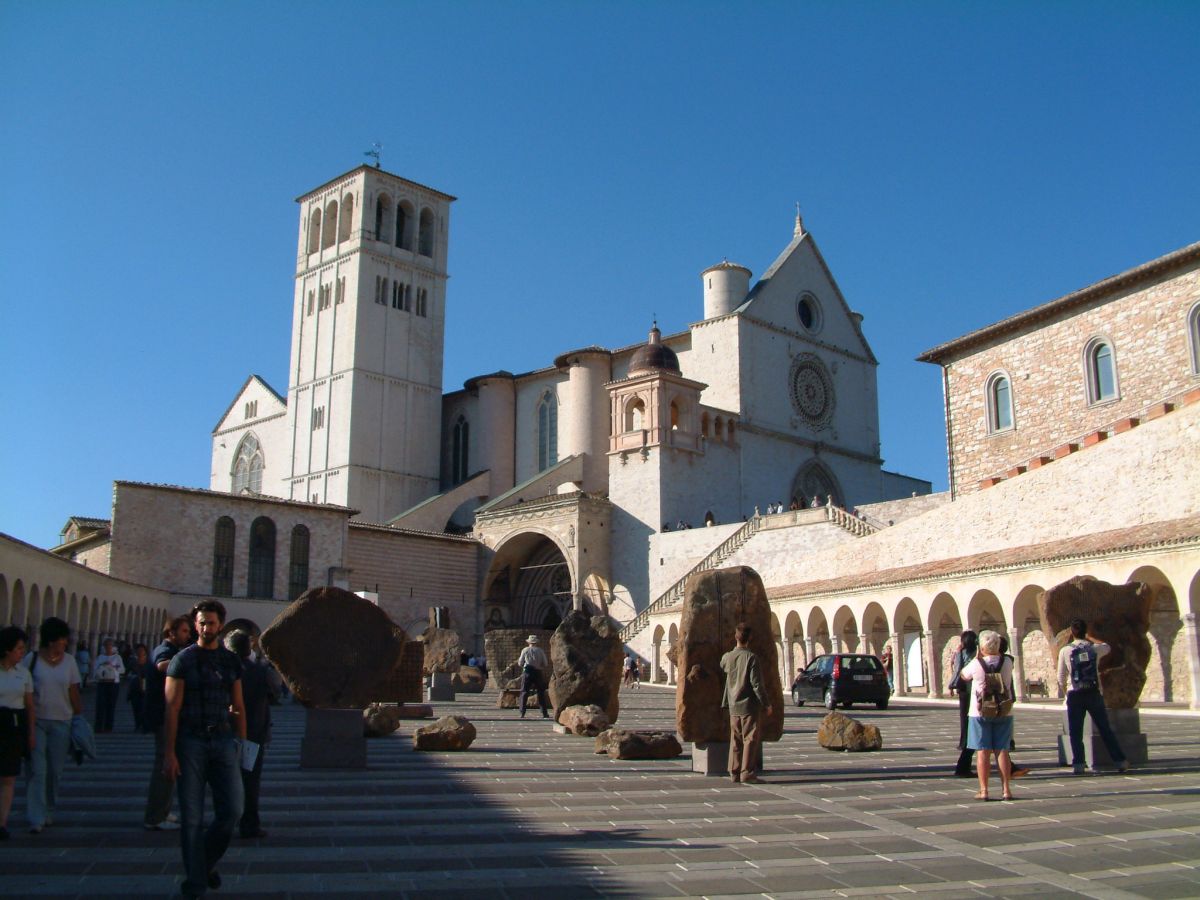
468 680
586 655
621 743
447 733
380 719
587 720
502 646
839 732
714 602
1119 615
443 650
334 649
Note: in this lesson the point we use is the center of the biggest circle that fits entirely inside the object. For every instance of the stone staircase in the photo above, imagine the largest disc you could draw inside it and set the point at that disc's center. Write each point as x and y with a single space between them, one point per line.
674 593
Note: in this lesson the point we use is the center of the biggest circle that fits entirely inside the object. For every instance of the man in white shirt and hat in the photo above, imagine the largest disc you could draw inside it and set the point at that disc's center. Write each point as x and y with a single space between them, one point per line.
534 669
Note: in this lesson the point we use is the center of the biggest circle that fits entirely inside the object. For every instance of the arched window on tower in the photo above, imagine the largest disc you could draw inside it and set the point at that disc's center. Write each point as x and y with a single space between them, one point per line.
298 569
635 415
1101 370
704 424
346 222
329 225
383 218
719 429
998 396
260 580
460 451
674 415
223 546
425 233
547 419
404 225
314 231
248 464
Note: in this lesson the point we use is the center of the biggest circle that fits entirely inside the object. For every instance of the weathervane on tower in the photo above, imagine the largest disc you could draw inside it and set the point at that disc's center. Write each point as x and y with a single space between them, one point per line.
375 152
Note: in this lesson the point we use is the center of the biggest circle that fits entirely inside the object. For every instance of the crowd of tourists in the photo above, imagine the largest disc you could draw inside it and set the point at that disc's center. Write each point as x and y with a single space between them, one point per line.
204 693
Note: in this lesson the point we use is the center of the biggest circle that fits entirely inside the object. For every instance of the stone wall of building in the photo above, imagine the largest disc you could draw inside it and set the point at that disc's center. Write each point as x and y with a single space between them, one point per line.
891 512
1147 329
98 557
674 553
412 571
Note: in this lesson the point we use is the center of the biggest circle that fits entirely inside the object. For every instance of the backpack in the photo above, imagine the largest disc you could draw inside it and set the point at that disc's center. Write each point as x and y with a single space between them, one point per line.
1084 675
996 703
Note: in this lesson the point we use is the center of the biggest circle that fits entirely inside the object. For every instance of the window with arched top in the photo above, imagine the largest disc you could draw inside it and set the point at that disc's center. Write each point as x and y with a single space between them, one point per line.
383 218
719 429
329 225
346 221
314 231
425 233
547 421
704 424
223 546
260 576
675 418
1193 327
999 403
729 431
460 450
635 414
298 565
1100 367
404 220
248 465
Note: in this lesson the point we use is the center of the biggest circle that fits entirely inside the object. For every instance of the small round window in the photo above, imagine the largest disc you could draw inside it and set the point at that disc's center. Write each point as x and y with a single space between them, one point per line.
809 312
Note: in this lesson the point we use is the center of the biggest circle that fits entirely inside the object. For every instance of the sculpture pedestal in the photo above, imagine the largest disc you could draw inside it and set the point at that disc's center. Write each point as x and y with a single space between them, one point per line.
1126 725
441 687
712 758
333 739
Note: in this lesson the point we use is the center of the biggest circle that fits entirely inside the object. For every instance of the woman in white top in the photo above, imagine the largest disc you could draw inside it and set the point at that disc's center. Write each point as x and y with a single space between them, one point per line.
994 735
56 700
16 717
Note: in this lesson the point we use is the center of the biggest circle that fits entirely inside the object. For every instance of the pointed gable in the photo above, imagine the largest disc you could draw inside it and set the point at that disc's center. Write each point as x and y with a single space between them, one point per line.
800 274
255 400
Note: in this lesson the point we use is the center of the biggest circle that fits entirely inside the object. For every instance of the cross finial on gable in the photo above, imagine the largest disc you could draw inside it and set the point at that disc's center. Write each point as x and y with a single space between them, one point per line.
799 229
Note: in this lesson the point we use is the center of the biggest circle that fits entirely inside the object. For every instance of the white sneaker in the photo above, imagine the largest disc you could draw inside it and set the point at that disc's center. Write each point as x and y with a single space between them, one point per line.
164 825
171 817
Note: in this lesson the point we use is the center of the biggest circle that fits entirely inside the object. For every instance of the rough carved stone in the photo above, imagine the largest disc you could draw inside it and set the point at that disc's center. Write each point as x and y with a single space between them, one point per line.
838 732
502 646
443 650
588 720
334 649
468 680
1119 615
620 743
586 655
380 719
447 733
714 602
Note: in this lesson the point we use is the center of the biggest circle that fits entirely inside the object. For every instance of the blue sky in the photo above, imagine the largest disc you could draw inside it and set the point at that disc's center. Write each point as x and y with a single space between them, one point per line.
956 163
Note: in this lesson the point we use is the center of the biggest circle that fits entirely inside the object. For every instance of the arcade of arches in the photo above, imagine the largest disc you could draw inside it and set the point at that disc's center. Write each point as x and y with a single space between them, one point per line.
923 627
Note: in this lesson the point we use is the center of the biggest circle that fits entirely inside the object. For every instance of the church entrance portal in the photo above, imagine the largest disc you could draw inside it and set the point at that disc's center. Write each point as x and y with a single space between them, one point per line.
530 581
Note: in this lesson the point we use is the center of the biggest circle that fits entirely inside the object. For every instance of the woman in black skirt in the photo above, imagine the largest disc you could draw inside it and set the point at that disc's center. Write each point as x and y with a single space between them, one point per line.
16 717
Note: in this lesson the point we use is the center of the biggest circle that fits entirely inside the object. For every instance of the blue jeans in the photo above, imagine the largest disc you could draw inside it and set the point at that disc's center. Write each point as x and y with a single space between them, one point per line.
45 770
212 761
1090 702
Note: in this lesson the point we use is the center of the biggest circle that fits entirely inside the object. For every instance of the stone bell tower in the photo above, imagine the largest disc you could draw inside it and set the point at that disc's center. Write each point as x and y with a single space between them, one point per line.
365 381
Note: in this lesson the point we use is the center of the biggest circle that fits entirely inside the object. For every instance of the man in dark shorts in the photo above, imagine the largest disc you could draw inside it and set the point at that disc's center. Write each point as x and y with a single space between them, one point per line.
202 746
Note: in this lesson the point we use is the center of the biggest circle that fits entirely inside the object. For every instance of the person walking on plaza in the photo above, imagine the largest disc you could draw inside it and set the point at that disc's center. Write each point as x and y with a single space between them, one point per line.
176 634
886 659
1079 674
110 669
137 686
83 660
534 669
968 648
56 700
258 693
990 730
204 687
17 717
746 699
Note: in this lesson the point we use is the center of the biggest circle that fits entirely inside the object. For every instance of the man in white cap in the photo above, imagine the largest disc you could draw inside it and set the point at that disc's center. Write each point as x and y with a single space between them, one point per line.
534 668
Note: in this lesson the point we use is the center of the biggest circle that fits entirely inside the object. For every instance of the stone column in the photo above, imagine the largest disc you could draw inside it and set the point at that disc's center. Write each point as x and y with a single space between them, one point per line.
1014 647
864 644
899 667
836 641
1192 636
933 664
810 648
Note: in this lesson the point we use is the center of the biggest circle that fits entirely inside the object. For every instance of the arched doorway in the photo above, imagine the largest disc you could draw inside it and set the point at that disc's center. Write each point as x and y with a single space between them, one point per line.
532 579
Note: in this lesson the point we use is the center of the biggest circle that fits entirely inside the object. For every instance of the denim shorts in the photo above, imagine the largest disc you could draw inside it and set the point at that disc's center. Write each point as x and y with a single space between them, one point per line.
989 734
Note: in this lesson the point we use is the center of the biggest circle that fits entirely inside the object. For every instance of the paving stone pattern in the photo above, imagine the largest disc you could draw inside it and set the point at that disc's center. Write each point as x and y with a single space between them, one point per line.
527 811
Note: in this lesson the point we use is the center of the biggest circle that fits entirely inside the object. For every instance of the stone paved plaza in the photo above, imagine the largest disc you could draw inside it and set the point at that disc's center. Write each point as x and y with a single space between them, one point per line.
528 813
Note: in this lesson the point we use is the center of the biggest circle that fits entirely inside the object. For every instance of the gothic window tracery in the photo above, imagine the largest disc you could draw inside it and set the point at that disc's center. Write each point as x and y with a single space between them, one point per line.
460 451
248 465
547 419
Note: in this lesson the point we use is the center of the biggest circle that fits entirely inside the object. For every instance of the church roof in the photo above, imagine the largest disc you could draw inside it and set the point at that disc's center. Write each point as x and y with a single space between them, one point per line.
1065 303
86 523
654 355
357 169
254 498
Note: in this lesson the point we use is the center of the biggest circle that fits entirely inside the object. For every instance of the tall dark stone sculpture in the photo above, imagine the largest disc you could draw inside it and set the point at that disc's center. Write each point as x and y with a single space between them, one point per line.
586 655
714 602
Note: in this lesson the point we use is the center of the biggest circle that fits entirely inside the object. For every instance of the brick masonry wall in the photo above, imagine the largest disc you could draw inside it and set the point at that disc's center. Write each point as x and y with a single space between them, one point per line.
414 572
1147 329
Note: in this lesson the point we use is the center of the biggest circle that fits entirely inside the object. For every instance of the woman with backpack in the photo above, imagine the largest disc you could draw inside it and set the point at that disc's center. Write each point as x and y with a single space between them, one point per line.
968 648
990 722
